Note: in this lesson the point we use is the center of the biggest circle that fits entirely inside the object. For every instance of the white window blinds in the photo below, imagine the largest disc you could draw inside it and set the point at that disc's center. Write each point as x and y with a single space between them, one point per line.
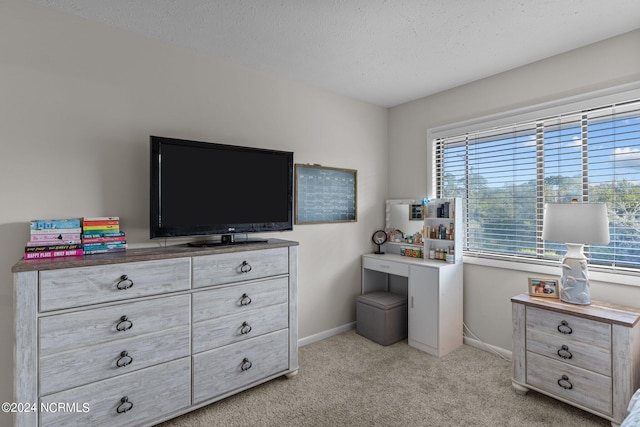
507 174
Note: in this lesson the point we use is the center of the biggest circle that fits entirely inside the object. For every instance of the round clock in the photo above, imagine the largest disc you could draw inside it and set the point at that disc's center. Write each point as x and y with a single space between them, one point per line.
379 237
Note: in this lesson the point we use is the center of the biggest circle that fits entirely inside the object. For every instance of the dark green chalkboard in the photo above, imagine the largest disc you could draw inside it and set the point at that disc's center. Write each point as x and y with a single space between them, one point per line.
325 194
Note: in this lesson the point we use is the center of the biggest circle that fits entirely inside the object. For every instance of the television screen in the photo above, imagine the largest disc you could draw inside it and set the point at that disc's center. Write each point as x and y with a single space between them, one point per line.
200 188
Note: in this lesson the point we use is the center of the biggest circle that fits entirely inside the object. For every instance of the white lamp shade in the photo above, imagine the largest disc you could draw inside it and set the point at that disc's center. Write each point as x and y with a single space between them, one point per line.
585 223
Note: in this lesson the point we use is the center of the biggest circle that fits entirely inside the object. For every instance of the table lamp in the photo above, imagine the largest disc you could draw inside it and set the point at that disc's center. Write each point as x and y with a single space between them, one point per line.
575 224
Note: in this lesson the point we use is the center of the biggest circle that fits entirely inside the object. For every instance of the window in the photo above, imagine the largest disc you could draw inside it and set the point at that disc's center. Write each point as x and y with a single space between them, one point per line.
507 173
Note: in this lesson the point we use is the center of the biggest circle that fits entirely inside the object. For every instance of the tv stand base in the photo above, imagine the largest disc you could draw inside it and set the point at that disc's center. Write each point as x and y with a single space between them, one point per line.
226 240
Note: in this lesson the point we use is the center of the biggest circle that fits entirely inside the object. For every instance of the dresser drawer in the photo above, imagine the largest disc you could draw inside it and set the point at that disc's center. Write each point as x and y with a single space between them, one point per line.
573 352
153 392
89 364
239 266
74 287
239 327
241 298
583 387
391 267
71 331
228 368
576 329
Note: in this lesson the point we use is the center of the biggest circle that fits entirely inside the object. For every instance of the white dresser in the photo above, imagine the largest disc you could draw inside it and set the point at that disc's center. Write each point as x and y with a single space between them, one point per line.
139 337
587 356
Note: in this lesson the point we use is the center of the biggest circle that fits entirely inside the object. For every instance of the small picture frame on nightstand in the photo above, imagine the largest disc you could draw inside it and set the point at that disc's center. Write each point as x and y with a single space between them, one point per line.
543 287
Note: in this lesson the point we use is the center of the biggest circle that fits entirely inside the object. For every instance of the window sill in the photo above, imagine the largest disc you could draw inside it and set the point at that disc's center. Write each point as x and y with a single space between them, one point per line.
553 269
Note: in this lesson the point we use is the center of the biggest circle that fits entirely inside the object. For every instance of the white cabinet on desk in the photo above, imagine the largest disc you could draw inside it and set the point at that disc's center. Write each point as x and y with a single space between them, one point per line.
424 285
434 291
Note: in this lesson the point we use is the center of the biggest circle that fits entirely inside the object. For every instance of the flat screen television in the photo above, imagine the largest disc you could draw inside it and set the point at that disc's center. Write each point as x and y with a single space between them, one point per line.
204 189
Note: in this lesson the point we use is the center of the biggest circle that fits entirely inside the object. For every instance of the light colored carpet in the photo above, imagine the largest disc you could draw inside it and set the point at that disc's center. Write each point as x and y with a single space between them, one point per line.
348 380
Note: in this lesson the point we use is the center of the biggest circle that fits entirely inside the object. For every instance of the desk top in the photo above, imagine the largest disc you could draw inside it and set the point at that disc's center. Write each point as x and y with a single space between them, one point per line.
409 260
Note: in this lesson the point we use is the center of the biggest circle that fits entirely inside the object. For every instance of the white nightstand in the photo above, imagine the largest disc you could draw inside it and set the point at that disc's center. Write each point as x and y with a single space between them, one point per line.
587 356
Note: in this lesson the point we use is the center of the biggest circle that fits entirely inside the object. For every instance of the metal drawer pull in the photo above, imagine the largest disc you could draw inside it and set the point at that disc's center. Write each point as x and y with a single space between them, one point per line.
124 360
124 406
246 365
245 267
245 328
124 283
565 383
564 328
565 353
245 300
124 324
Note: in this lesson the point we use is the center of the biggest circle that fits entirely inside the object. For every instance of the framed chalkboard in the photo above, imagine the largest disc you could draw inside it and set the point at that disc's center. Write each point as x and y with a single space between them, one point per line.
325 194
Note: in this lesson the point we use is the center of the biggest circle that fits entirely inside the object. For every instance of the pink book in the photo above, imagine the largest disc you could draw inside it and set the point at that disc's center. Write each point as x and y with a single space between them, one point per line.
53 254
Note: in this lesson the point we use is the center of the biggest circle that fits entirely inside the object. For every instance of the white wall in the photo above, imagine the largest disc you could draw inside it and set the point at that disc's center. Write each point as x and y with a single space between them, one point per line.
487 290
78 101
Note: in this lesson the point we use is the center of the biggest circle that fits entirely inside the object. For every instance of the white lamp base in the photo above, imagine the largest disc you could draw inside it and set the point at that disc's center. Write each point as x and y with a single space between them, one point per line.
574 282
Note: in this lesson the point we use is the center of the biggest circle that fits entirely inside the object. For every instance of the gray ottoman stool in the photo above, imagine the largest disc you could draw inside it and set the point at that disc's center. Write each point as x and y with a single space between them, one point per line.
382 317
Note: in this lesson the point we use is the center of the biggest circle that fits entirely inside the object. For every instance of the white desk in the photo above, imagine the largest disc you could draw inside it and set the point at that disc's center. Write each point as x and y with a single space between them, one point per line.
434 291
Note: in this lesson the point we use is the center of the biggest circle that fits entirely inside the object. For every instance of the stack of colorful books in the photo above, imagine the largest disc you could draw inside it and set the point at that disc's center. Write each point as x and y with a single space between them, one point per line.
102 235
52 238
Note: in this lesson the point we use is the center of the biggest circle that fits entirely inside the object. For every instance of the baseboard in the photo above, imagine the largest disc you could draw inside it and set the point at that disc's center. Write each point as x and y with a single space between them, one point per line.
326 334
344 328
488 347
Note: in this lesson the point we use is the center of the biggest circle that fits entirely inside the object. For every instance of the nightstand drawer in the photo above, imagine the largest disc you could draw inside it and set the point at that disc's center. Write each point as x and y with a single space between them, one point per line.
70 331
236 267
571 328
240 298
239 327
70 369
232 367
575 353
149 394
391 267
74 287
575 384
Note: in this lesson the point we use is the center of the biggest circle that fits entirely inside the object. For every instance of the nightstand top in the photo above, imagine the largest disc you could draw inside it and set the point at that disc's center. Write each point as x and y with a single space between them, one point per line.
597 310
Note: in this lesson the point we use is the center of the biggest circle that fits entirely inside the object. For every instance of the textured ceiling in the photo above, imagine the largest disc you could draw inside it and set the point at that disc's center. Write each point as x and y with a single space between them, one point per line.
386 52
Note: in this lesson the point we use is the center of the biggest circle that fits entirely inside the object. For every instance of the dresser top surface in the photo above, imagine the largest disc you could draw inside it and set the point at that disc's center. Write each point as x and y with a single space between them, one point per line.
597 310
143 254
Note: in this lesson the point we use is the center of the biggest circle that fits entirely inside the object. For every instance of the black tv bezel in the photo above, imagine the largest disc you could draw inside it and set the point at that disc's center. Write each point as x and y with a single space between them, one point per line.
226 231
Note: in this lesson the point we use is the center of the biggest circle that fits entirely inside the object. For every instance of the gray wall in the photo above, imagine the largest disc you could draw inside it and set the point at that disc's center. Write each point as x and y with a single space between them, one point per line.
78 101
487 290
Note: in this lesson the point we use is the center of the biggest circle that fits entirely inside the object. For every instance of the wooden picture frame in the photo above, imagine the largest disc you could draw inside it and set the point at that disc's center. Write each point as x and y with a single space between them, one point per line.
416 212
325 194
544 287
